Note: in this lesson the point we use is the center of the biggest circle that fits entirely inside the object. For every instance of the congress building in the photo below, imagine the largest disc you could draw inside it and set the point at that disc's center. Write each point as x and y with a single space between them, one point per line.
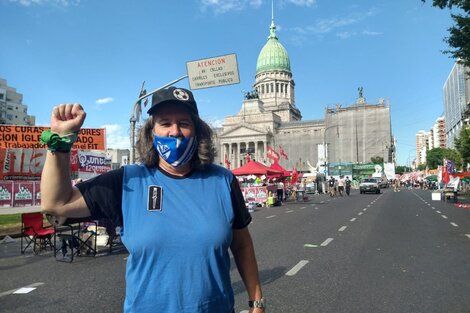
270 117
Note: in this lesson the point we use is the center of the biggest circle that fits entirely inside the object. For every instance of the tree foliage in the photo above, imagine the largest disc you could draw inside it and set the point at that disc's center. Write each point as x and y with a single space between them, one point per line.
400 169
377 160
436 156
459 33
462 144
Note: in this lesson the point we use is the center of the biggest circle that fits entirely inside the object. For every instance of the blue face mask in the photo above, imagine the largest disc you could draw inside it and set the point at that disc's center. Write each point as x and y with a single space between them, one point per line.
175 151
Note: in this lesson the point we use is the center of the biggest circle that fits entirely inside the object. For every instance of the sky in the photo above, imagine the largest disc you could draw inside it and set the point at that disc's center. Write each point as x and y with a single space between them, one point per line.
98 53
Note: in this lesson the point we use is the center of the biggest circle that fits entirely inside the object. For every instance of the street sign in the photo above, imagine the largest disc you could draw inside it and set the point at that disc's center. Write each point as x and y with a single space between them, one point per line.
213 72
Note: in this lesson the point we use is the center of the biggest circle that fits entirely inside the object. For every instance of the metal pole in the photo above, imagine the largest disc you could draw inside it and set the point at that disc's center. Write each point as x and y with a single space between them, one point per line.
133 120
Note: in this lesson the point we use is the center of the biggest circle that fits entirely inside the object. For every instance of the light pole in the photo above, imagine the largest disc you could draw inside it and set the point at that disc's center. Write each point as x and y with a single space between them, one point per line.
135 115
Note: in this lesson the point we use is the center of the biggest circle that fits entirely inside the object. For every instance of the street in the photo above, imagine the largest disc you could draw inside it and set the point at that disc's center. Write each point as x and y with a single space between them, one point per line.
388 252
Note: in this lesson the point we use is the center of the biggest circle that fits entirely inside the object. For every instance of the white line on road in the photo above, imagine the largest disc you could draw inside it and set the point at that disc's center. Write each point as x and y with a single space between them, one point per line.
343 228
29 287
368 206
453 224
297 268
290 211
270 216
438 212
468 235
360 213
433 208
443 216
302 208
353 219
322 202
364 209
312 204
326 242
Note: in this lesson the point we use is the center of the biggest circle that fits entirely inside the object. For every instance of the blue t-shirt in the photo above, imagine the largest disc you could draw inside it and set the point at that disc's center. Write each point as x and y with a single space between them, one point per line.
178 232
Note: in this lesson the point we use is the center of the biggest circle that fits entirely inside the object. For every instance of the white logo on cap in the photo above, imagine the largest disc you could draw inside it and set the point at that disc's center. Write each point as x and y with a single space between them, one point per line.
180 94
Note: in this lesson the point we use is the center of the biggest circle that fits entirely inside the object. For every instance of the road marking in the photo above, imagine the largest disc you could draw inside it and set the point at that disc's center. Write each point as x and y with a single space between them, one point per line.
353 219
360 213
297 268
428 204
453 224
25 289
364 209
468 235
326 242
438 212
271 216
312 204
443 216
433 208
322 202
310 245
302 208
368 206
290 211
343 228
316 208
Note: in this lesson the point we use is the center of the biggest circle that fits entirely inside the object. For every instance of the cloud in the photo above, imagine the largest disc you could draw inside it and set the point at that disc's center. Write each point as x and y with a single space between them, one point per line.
117 137
303 3
104 100
214 122
369 33
63 3
329 25
345 35
224 6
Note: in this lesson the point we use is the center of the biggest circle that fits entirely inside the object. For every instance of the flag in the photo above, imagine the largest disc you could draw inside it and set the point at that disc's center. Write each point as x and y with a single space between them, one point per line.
247 158
227 162
450 167
445 173
281 151
272 154
295 176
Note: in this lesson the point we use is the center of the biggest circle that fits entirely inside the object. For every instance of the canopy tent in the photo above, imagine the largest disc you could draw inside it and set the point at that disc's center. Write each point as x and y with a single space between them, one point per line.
276 166
256 168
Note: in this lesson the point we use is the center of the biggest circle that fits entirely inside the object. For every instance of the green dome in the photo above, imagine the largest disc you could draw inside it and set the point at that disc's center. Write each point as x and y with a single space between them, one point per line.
273 56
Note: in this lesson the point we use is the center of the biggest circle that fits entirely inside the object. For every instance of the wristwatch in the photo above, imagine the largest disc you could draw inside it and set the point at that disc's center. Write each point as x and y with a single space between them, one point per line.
261 303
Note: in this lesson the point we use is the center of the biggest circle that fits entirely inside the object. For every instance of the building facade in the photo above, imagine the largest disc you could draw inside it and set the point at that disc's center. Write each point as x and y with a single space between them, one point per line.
269 117
422 138
12 109
456 92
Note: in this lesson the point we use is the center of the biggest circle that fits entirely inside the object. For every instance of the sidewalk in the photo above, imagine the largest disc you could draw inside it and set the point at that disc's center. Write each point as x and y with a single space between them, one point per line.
20 209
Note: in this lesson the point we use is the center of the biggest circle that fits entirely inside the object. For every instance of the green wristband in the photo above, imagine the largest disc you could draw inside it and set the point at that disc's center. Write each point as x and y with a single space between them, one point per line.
57 143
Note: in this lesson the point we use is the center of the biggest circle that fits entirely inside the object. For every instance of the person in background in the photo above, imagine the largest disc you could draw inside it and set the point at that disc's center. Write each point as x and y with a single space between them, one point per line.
180 214
280 191
340 185
347 183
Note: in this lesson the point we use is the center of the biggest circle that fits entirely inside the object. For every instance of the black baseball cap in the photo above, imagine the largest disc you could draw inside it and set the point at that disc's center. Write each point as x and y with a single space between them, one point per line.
173 95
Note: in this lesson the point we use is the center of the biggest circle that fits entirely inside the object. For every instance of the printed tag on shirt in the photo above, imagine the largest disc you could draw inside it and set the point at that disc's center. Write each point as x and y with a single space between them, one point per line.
154 199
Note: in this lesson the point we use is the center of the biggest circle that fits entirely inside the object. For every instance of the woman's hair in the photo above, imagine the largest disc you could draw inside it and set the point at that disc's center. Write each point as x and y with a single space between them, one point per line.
206 151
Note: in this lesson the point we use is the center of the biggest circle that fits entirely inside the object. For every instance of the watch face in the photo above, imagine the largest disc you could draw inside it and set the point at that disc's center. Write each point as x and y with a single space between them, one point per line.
257 303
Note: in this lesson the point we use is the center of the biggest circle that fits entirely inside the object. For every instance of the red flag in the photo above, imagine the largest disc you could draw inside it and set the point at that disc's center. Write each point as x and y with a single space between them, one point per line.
227 162
445 173
295 176
272 154
283 153
247 158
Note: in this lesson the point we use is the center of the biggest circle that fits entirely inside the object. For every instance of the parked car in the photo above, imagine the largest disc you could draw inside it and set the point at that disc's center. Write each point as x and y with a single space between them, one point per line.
369 185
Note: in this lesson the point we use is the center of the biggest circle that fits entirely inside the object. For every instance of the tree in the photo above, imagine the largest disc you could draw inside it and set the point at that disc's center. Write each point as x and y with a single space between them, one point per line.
462 144
421 167
459 38
377 160
400 169
436 156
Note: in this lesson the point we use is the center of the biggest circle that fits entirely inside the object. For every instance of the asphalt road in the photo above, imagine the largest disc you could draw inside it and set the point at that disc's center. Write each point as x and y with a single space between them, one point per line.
389 252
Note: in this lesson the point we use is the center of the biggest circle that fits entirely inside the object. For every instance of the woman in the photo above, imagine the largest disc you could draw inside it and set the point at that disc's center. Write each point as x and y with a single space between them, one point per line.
179 213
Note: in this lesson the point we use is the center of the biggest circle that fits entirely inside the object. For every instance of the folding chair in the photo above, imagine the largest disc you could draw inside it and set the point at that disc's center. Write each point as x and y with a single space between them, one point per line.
34 232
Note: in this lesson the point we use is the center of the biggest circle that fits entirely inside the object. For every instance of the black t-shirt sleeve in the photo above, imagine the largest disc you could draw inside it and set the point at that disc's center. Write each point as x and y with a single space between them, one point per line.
241 215
103 195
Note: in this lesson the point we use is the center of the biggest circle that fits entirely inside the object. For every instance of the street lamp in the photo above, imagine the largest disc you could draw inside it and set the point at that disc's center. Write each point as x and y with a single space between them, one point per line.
135 116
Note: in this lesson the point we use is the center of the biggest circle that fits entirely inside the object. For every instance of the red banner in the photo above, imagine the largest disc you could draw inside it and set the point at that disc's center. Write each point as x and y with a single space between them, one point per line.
23 194
6 193
255 194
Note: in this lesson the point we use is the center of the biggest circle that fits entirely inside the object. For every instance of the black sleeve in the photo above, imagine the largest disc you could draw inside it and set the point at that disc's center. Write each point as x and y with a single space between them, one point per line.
241 215
103 195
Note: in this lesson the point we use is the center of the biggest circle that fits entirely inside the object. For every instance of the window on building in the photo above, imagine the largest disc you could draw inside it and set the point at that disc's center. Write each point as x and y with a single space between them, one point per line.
277 87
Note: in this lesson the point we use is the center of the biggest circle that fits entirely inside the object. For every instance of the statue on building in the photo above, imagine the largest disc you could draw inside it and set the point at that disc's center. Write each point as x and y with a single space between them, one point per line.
251 94
361 94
